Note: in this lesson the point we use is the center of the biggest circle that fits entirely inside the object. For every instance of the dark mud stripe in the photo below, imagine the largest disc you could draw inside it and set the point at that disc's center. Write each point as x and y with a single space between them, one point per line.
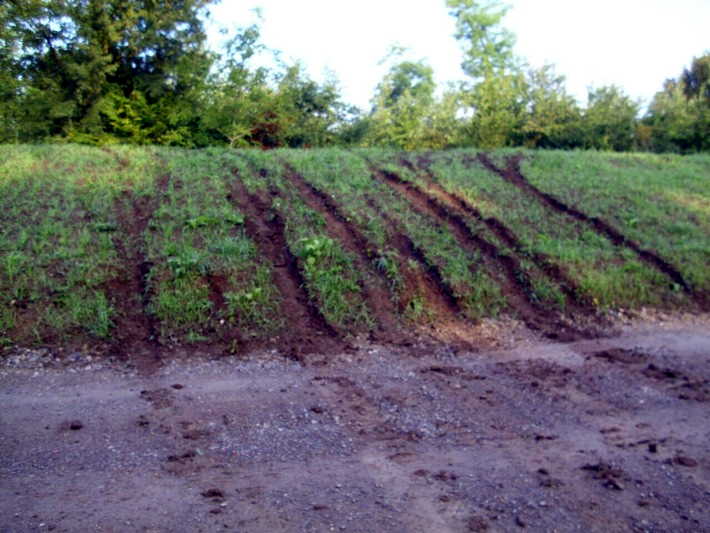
266 228
438 287
378 298
513 175
554 271
503 268
137 328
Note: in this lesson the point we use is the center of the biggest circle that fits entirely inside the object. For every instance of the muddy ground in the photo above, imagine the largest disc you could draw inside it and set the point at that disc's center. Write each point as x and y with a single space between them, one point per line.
611 434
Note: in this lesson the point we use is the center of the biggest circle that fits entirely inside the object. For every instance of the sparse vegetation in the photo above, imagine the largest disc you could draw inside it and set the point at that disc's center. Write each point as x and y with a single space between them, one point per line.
95 241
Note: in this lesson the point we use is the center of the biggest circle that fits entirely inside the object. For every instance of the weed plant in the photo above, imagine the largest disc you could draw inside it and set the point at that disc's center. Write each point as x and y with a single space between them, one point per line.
57 229
203 260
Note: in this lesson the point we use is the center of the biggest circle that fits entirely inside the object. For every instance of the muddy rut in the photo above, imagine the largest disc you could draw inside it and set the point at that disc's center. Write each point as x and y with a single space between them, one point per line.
503 268
513 175
308 330
137 329
575 298
374 286
439 294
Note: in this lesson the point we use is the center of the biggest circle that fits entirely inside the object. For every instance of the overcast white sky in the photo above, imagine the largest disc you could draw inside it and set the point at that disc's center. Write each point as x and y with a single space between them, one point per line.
635 44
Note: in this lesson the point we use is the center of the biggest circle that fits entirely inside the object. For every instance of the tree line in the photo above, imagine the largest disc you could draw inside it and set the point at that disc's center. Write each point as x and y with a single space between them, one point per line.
140 72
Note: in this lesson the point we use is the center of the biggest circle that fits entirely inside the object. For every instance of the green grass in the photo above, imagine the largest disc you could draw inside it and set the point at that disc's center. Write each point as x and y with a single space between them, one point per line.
56 237
328 268
197 236
68 215
607 275
660 201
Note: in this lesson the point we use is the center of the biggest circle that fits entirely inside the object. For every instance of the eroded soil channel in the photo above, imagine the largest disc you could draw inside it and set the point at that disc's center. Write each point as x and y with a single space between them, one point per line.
513 175
308 331
504 268
137 328
604 435
569 287
373 283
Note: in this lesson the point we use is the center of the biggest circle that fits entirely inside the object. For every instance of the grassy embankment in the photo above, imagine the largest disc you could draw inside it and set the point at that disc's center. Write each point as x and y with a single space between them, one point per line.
165 246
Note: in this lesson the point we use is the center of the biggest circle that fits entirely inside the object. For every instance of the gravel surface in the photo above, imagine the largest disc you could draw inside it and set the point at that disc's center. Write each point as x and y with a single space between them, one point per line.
605 435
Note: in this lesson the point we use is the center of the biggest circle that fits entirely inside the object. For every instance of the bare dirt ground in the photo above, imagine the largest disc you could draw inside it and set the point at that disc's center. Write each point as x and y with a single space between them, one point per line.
611 434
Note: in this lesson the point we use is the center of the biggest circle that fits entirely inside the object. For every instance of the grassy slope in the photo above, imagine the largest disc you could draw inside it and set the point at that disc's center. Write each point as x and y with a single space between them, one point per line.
80 225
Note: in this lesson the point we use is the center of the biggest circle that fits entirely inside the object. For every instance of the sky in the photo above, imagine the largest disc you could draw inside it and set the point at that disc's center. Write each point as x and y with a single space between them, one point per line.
635 44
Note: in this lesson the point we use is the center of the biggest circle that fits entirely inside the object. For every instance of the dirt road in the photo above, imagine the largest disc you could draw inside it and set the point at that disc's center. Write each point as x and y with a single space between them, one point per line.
604 435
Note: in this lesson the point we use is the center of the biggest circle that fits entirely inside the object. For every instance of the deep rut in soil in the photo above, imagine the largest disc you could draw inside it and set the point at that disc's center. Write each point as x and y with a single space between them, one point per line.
377 296
575 297
512 174
137 328
308 330
439 293
503 268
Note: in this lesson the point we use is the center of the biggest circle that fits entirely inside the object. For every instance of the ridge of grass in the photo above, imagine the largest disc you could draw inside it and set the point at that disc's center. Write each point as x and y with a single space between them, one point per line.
65 227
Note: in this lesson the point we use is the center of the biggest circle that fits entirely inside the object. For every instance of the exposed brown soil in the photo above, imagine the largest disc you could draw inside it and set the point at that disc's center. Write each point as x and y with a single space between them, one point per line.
603 435
439 294
218 285
374 288
308 331
503 268
443 309
137 329
513 175
575 297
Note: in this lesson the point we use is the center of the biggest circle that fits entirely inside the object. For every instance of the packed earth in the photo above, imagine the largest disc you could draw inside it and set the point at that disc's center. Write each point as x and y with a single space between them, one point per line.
609 434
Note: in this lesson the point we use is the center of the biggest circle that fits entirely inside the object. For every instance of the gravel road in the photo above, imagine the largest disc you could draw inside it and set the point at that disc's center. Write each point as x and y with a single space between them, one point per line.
605 435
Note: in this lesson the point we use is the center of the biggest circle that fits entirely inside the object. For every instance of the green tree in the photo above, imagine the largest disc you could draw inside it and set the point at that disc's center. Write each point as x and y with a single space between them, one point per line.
487 45
552 116
311 111
696 79
678 119
610 119
101 71
496 94
401 106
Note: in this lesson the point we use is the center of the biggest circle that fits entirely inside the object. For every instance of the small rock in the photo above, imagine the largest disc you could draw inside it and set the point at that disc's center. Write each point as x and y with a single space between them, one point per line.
478 524
212 493
75 425
685 461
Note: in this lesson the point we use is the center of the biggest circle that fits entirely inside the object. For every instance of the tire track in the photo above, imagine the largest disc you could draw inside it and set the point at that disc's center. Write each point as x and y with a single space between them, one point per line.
378 298
137 328
503 268
266 228
439 293
554 271
513 175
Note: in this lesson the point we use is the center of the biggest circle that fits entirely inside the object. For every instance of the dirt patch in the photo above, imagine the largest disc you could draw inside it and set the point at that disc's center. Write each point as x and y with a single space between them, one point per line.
137 329
308 330
553 270
620 355
547 437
